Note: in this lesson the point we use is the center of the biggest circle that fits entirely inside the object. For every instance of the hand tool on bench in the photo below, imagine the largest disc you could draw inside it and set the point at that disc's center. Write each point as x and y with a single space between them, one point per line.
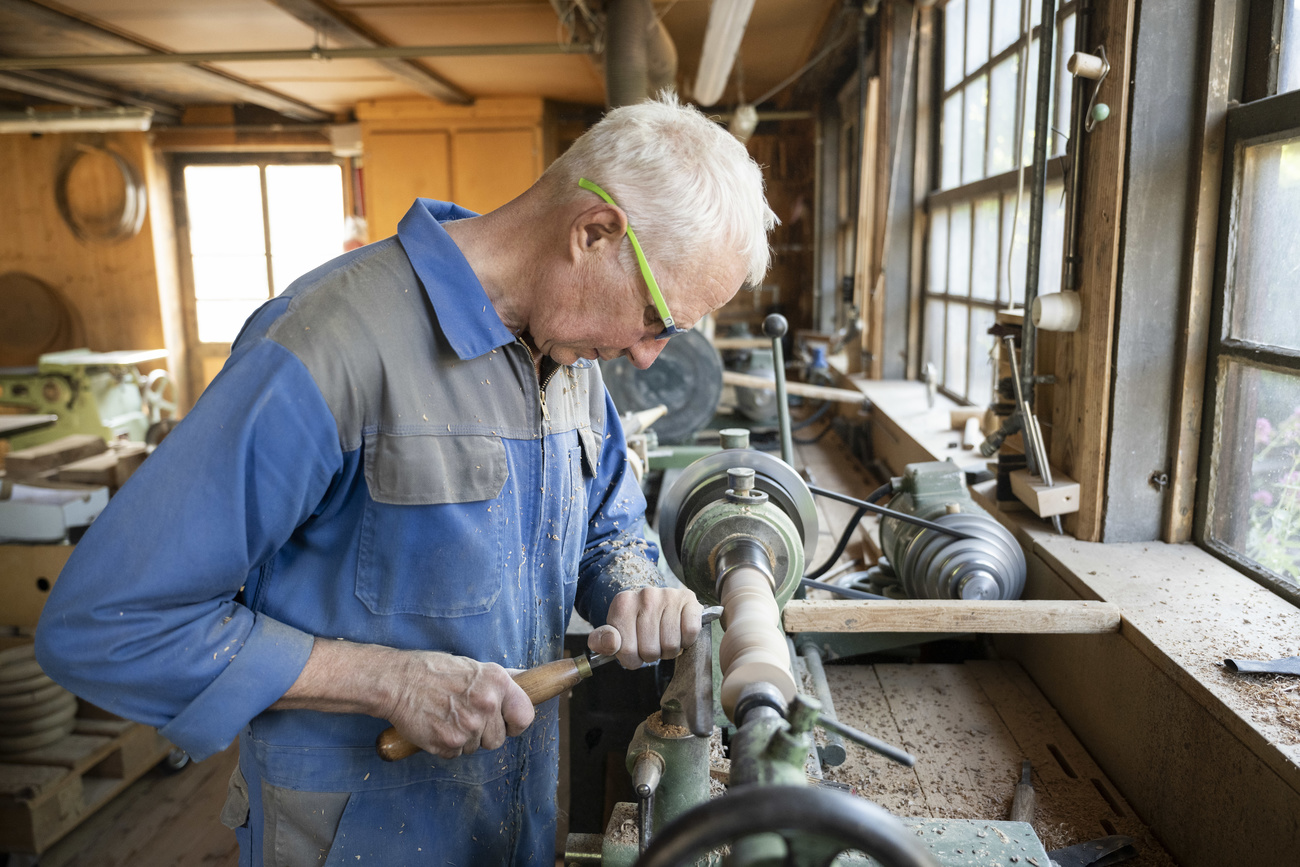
540 684
1022 802
1095 853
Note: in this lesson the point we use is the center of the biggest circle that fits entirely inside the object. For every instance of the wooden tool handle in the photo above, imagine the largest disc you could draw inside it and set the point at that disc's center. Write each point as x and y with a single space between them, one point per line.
539 684
1022 803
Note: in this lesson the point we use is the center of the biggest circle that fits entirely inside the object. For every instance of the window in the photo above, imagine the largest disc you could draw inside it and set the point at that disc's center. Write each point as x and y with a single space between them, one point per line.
250 228
1249 507
973 267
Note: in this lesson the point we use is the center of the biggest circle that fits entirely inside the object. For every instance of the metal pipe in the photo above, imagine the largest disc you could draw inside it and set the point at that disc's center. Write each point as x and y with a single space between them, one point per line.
1070 277
1046 39
832 752
381 52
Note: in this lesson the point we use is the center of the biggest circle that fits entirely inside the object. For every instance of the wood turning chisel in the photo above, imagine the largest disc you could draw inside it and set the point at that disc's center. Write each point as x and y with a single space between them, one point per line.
540 684
1022 802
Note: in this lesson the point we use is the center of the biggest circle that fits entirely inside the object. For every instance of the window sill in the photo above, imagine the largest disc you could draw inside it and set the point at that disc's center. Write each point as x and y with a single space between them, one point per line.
1184 610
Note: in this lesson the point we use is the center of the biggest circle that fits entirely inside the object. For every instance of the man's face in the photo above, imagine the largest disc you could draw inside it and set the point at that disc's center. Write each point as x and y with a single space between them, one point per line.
617 318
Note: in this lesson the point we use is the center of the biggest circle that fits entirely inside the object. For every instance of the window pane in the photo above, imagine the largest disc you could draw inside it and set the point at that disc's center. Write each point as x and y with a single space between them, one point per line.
982 370
972 160
1053 253
225 209
1031 98
959 250
934 334
220 321
1006 23
1288 67
954 370
230 276
984 261
1256 482
1064 84
950 136
1263 290
954 35
306 208
977 34
1002 115
1016 290
938 276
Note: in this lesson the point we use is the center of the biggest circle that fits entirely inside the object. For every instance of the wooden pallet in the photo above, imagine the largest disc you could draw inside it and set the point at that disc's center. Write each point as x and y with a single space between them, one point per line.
46 792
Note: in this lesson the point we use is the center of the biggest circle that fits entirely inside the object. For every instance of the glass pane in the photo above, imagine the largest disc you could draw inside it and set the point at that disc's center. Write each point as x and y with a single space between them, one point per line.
1064 92
1267 274
954 369
934 334
1006 23
984 259
306 208
220 321
950 136
231 276
972 160
1053 255
954 36
982 369
1015 292
959 250
938 276
225 209
1288 67
1256 482
1031 97
1002 115
977 34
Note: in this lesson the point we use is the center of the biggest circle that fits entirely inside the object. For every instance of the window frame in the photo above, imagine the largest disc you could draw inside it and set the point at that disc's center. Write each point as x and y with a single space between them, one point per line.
197 351
1265 120
987 185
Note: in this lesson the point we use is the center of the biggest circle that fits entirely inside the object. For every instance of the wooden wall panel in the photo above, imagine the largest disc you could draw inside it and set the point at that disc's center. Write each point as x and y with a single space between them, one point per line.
401 166
491 167
113 288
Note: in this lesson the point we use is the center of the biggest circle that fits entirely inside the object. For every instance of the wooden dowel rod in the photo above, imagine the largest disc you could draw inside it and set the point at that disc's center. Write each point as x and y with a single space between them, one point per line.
1026 617
803 389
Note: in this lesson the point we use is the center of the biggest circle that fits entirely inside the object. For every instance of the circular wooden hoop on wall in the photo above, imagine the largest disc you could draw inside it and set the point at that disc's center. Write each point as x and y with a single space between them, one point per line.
128 221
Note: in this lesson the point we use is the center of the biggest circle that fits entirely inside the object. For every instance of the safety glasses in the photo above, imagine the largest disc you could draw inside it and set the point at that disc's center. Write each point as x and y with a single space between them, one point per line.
655 295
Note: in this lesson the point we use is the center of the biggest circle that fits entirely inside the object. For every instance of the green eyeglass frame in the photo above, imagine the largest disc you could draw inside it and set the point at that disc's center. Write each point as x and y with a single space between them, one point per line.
655 295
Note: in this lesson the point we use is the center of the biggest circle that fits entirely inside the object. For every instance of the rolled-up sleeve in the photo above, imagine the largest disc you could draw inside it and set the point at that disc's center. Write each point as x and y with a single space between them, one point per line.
147 619
617 556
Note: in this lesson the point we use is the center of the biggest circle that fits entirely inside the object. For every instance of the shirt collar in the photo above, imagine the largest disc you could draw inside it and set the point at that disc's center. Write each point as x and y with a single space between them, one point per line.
469 321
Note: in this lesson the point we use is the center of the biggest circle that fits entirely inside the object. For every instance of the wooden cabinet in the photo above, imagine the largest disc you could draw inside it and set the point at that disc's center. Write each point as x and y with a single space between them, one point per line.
479 156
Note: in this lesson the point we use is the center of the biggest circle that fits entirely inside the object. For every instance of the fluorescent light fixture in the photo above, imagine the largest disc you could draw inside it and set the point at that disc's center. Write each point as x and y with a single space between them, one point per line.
76 120
726 27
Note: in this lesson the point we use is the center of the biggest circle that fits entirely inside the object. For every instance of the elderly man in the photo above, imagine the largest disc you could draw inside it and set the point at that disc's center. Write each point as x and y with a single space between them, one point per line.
403 480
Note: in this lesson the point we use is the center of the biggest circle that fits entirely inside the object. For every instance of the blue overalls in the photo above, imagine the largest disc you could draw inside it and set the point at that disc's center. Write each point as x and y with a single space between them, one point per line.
376 462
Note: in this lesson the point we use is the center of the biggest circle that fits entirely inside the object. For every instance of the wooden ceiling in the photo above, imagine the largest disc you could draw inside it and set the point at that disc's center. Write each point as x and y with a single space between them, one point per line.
781 36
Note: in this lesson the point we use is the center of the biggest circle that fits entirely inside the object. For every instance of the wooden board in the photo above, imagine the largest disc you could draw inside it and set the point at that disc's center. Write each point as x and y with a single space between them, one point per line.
1081 402
970 726
1030 617
33 460
1059 498
27 572
45 792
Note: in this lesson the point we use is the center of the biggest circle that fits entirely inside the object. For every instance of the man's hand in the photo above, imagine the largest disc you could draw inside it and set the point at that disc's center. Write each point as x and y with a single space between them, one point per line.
647 625
452 706
448 705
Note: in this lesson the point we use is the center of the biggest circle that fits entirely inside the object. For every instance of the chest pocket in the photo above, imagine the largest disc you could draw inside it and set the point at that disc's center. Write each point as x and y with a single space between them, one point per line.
431 537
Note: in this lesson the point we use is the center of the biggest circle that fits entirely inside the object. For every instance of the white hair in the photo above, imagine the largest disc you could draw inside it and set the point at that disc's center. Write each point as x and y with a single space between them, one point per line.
689 188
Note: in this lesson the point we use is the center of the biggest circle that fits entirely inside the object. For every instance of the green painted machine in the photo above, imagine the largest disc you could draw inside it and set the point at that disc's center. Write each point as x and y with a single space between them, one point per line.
99 393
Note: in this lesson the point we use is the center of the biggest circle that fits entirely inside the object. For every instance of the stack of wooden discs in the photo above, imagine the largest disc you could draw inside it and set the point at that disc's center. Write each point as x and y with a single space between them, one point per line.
34 710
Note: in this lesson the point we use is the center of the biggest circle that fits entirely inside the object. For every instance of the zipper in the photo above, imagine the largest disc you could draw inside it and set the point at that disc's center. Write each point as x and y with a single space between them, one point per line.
541 390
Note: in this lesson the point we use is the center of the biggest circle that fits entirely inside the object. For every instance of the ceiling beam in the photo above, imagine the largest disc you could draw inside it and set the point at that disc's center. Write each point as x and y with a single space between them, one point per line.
18 17
74 90
347 31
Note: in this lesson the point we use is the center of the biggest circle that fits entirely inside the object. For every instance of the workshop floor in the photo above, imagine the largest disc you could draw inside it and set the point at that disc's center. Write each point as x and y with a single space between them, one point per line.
161 820
970 727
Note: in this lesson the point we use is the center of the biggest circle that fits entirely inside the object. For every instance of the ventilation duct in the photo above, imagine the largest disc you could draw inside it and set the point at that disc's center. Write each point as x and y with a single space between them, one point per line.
640 58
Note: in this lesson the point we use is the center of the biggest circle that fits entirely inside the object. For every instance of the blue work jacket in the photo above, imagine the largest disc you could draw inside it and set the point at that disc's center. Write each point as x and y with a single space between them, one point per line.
378 462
